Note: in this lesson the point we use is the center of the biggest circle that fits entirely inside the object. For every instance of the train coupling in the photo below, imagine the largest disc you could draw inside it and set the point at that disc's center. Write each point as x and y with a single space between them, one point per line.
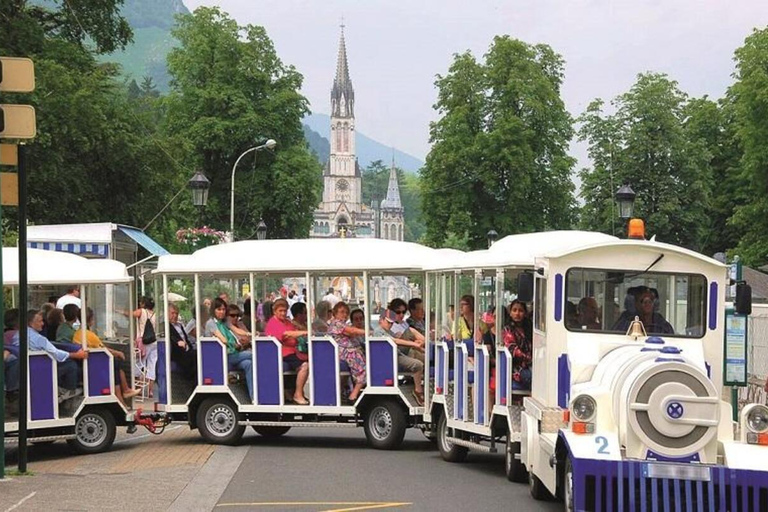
154 421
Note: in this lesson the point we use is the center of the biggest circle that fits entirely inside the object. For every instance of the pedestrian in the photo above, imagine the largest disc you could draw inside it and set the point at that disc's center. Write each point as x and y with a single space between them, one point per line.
147 339
71 297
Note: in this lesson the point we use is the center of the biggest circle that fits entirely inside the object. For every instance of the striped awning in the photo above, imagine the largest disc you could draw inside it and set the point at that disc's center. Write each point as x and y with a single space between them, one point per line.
101 250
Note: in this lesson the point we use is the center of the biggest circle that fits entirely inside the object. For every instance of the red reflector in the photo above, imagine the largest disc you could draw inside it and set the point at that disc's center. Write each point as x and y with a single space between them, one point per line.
438 390
762 438
106 391
208 381
566 416
503 400
579 427
388 382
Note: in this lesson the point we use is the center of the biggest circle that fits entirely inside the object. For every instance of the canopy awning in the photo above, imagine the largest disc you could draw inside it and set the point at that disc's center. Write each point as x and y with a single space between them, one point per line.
145 241
74 248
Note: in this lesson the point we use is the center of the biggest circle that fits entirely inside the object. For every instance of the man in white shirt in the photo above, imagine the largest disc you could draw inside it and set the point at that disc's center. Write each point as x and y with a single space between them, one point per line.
71 297
331 298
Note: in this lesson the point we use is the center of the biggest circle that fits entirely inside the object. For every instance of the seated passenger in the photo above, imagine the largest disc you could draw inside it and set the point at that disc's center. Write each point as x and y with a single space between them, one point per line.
416 314
12 368
572 316
405 363
182 351
588 314
235 322
66 330
238 356
54 319
653 322
630 311
280 327
518 338
299 313
350 351
122 389
11 325
402 329
66 368
322 316
357 317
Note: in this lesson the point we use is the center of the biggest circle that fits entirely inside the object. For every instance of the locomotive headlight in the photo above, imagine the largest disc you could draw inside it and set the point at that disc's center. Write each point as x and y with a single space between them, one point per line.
757 419
583 408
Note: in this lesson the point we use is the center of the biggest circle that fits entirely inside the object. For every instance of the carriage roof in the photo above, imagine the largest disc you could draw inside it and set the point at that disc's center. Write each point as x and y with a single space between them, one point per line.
52 267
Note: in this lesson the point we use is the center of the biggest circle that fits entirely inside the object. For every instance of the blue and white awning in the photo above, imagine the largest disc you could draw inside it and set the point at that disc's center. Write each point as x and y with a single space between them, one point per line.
101 250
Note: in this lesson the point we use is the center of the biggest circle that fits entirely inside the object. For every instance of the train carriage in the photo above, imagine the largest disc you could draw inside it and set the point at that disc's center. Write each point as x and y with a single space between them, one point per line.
218 403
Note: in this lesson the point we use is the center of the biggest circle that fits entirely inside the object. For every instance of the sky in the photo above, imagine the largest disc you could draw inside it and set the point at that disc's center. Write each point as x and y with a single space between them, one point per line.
396 48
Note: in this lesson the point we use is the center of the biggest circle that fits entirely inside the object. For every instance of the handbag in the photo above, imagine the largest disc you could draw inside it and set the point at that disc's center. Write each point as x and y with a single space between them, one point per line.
149 333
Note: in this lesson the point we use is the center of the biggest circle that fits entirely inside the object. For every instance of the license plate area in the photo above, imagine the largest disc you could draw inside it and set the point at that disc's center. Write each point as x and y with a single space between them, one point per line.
694 472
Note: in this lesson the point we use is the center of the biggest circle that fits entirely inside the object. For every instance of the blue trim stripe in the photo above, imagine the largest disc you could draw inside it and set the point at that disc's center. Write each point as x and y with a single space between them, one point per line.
72 248
713 306
558 297
563 381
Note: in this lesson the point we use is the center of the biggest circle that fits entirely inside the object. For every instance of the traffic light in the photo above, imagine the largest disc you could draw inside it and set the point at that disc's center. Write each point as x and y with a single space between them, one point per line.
17 121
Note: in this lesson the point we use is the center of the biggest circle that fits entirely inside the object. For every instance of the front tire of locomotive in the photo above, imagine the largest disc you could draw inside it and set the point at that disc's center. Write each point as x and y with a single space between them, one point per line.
218 423
385 425
95 432
538 490
515 469
568 485
448 451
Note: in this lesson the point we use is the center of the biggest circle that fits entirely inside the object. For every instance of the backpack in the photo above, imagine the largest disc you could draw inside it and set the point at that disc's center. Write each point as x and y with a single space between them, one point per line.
149 333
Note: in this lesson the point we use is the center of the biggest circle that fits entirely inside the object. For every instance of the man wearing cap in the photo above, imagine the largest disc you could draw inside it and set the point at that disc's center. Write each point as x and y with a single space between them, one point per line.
405 363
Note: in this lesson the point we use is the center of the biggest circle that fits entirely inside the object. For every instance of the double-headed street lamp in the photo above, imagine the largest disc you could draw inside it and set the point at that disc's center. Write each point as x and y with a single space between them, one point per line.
270 144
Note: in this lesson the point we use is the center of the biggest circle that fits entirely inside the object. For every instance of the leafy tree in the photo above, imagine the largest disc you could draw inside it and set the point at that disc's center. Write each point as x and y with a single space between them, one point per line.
148 87
498 158
750 102
645 144
230 92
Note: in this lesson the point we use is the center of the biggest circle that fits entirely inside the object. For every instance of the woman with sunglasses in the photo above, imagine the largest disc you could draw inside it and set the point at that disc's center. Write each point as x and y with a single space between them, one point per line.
281 328
239 357
348 337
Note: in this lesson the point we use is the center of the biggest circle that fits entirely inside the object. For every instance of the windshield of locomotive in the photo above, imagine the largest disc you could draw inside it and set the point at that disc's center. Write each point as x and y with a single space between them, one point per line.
609 300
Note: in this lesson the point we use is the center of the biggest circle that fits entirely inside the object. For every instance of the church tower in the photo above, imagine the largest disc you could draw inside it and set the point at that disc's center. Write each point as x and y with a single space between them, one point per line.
392 219
341 212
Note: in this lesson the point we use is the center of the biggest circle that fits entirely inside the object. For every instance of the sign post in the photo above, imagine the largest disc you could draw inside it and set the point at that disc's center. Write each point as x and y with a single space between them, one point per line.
735 371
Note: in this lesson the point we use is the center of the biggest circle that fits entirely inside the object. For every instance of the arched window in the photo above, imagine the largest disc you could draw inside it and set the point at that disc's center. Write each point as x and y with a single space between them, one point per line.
400 232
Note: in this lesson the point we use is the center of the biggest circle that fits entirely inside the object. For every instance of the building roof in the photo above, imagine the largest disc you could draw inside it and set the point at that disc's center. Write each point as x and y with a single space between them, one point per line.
758 281
392 201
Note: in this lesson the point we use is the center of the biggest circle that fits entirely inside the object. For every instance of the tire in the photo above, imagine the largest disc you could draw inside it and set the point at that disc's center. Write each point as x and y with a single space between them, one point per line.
95 432
568 485
538 489
449 452
271 432
385 424
217 421
513 466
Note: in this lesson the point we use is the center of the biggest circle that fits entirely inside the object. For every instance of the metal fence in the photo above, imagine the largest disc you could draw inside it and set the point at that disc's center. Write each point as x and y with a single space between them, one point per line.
757 361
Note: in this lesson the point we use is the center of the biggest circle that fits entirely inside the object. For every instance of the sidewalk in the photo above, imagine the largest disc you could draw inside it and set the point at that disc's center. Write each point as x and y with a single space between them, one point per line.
141 471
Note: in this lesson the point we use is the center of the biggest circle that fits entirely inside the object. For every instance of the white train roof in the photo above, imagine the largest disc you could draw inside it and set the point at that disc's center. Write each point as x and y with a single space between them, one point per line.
52 267
522 250
289 256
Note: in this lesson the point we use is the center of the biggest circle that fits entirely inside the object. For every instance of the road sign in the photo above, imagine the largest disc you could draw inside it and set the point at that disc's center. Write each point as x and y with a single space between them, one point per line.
9 189
17 74
17 122
9 154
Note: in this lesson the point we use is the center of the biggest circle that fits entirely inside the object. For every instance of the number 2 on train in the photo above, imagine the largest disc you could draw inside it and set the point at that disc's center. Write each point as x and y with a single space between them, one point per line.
602 441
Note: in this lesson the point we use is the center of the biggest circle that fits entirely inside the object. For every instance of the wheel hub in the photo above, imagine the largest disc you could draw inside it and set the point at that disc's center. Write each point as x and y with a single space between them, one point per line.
221 420
91 430
381 423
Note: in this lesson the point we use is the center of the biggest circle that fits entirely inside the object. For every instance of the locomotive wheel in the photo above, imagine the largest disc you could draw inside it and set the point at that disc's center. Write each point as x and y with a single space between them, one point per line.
271 432
538 489
95 432
449 451
514 467
385 425
217 421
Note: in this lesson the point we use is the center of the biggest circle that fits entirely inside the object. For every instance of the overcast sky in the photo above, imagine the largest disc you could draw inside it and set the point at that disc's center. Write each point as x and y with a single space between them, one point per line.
396 48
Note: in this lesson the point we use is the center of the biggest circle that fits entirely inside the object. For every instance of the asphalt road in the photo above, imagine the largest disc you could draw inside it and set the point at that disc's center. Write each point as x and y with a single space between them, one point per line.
333 469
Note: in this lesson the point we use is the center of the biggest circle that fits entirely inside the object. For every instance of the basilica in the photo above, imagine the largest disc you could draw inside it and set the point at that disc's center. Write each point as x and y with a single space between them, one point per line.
342 212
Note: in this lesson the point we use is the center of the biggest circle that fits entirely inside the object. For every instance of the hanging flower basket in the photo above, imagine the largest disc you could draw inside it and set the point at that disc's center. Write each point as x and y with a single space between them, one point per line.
200 237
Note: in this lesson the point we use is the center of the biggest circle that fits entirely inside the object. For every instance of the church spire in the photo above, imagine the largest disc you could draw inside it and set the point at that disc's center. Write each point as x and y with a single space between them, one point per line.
342 93
392 200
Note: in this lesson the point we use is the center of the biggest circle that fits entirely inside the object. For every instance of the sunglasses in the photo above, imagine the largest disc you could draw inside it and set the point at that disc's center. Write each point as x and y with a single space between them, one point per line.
400 312
234 315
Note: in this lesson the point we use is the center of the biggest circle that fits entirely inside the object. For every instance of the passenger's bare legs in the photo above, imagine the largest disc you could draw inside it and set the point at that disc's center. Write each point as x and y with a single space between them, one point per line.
301 379
356 391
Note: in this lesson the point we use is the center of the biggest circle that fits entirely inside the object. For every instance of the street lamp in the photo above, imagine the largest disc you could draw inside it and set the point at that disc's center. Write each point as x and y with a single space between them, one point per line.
270 144
491 236
625 198
199 186
261 230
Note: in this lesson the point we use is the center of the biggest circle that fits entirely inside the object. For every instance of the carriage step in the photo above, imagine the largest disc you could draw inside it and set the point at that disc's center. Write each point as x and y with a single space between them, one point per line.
472 446
322 424
45 439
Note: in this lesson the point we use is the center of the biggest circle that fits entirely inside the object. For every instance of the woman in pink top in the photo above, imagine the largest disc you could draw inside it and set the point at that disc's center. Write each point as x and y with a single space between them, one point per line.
280 327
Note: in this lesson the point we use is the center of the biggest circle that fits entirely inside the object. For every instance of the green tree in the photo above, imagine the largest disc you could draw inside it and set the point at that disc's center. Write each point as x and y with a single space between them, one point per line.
750 102
230 91
645 144
498 158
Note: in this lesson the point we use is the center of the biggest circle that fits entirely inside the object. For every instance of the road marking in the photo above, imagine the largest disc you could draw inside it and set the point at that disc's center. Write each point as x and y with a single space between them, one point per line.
352 505
21 501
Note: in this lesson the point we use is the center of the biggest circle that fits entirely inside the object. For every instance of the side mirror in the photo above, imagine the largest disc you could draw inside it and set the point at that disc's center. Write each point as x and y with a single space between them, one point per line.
743 302
525 287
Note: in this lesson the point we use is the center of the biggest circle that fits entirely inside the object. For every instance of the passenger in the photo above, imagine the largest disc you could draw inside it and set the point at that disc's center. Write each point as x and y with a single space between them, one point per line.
122 389
280 327
630 311
572 316
45 309
191 327
238 357
518 338
653 322
12 368
299 313
405 363
331 297
71 297
182 351
66 330
589 314
416 314
467 318
246 319
357 317
235 322
11 325
322 316
146 313
54 319
347 338
402 328
66 368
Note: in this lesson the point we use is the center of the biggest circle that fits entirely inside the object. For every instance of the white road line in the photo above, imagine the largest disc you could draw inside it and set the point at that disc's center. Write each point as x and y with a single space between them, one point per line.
21 501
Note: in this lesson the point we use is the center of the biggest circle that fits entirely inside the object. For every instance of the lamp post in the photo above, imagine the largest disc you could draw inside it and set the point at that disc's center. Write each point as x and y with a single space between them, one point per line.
199 186
270 144
491 236
261 230
625 198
